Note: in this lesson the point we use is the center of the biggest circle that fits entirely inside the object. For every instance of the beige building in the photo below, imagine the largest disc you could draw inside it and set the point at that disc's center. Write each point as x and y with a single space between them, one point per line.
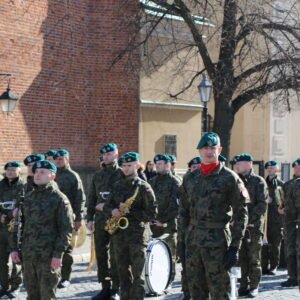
170 124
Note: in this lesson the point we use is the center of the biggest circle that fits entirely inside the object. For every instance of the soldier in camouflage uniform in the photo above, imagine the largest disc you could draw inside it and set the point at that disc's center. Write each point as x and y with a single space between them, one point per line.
212 197
98 196
250 254
193 165
49 155
130 243
29 162
166 189
47 231
10 187
292 221
271 251
70 184
290 245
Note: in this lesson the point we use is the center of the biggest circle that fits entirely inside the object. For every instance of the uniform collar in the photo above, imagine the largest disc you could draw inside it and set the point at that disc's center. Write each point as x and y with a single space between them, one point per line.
110 167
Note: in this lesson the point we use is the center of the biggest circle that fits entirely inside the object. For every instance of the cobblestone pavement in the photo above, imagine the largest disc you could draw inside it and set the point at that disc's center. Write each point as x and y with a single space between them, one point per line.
84 285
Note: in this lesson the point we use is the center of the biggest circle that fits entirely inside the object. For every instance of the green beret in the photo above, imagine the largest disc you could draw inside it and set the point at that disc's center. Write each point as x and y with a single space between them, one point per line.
44 164
108 148
209 139
222 158
129 157
244 157
163 157
235 158
195 161
120 161
271 163
14 164
173 158
296 162
33 158
50 153
60 153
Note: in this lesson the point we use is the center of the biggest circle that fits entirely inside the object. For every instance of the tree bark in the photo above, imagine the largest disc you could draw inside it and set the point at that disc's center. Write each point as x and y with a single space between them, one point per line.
223 123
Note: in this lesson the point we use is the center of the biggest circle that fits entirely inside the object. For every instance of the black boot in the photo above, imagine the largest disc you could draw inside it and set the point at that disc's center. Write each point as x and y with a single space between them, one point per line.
289 283
3 292
104 294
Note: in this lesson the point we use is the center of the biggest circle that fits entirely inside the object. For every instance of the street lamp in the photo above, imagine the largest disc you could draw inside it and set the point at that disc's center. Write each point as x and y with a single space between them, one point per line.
205 89
8 99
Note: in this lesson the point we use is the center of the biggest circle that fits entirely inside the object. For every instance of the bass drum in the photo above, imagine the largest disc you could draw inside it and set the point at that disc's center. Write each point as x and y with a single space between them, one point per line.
158 267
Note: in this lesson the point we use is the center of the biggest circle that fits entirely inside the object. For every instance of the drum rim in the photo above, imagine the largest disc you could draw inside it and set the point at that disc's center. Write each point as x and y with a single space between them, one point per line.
152 243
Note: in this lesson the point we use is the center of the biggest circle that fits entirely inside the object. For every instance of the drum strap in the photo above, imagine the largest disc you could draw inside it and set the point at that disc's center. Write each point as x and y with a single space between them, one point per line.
209 225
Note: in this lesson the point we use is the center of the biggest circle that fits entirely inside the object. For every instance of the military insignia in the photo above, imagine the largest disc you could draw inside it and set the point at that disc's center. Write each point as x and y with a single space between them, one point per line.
38 164
29 159
209 143
194 161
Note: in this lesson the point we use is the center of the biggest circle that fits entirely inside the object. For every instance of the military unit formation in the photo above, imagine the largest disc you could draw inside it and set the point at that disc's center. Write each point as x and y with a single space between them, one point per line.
215 221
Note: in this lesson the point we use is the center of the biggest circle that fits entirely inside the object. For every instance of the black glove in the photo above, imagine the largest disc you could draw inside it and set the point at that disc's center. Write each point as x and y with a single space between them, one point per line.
230 258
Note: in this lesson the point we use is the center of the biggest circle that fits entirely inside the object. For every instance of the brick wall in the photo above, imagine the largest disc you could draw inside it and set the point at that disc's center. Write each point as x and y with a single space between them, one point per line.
60 52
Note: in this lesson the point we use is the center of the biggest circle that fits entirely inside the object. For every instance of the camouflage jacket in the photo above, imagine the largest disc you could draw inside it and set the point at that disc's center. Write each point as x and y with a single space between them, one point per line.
210 202
166 190
70 184
100 190
143 208
286 187
257 207
292 212
9 191
47 223
273 215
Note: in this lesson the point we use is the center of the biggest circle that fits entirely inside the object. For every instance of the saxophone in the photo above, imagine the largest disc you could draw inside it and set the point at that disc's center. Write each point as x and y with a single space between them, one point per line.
113 223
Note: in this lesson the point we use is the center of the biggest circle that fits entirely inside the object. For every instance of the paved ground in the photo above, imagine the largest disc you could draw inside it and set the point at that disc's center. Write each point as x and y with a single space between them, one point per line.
84 284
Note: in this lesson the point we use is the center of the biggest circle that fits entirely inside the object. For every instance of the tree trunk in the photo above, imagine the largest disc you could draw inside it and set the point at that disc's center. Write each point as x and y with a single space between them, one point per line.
223 123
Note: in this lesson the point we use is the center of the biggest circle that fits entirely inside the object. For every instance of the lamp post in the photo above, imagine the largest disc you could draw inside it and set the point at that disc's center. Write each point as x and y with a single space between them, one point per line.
205 89
8 100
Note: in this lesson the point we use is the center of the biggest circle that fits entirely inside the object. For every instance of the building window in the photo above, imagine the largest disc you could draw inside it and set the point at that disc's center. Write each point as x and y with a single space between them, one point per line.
171 144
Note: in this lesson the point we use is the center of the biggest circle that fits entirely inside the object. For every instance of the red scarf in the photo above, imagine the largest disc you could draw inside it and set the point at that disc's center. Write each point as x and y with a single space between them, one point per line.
208 169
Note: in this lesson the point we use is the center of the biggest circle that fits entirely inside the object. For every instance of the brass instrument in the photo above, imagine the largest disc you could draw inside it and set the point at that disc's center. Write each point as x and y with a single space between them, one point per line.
8 207
93 260
79 236
279 196
114 223
265 238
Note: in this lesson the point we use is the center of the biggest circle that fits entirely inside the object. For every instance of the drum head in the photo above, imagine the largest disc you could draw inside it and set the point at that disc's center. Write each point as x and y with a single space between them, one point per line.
158 267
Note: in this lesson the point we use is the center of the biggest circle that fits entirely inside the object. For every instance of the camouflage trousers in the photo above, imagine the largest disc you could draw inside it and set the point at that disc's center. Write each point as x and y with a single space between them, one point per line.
250 262
130 255
14 279
107 270
271 252
205 271
39 279
290 250
181 253
67 263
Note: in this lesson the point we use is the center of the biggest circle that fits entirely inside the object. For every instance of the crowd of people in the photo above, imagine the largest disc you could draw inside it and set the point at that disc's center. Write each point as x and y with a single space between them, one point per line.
211 219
